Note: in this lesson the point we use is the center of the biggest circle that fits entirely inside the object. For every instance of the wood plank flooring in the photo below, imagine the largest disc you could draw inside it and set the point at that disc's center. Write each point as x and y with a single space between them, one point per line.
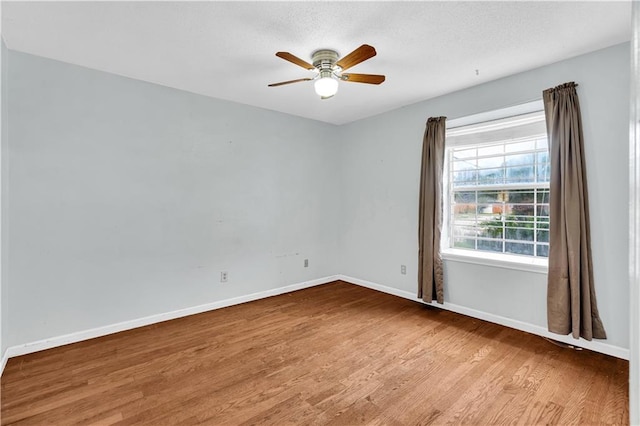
334 354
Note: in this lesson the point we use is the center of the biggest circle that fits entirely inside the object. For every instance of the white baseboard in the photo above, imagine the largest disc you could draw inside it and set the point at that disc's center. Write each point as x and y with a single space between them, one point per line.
593 345
153 319
66 339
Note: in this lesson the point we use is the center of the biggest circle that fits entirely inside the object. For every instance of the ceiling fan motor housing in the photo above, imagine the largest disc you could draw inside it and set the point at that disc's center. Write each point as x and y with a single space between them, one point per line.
324 59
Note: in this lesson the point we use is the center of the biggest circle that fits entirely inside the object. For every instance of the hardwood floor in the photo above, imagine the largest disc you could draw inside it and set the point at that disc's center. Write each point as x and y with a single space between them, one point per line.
334 354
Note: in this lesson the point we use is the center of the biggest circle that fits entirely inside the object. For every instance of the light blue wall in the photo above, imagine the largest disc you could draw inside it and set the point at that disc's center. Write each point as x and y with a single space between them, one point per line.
381 166
128 199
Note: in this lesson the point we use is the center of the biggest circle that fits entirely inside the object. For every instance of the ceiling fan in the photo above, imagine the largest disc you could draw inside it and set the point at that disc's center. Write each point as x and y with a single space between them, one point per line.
329 69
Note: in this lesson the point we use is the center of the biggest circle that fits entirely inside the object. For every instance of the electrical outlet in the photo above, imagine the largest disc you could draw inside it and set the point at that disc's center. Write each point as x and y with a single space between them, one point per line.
224 276
403 269
306 263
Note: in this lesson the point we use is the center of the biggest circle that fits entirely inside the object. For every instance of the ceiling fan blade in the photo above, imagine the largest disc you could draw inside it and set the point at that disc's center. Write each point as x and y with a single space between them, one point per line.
361 54
282 83
295 60
363 78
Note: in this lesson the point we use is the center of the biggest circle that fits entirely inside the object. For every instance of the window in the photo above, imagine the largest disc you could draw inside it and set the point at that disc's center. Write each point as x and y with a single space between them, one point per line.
497 187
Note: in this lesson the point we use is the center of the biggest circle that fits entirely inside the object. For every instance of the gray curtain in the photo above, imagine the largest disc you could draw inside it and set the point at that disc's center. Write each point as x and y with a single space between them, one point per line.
571 298
430 276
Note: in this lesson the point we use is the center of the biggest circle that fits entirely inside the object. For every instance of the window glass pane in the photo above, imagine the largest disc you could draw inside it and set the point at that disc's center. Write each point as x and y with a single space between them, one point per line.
488 245
467 243
542 167
543 250
519 248
543 196
519 196
520 218
464 197
521 232
524 212
462 229
542 236
490 196
464 211
490 162
465 176
514 221
517 174
484 211
491 176
492 228
543 210
520 159
463 165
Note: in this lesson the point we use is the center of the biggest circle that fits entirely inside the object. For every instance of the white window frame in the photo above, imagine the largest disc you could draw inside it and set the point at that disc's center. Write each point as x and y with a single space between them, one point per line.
501 260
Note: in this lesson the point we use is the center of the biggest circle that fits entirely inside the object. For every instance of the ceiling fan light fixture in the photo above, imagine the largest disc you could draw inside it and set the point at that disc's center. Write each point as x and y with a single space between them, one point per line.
326 86
328 69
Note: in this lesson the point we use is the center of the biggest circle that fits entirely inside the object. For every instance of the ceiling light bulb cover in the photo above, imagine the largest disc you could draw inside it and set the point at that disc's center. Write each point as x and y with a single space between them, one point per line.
326 86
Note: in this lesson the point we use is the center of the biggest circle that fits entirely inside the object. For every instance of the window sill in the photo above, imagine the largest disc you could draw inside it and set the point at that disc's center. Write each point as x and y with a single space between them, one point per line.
506 261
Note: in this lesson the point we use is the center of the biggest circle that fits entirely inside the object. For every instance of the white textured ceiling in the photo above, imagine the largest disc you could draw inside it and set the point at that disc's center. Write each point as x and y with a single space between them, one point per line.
227 49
